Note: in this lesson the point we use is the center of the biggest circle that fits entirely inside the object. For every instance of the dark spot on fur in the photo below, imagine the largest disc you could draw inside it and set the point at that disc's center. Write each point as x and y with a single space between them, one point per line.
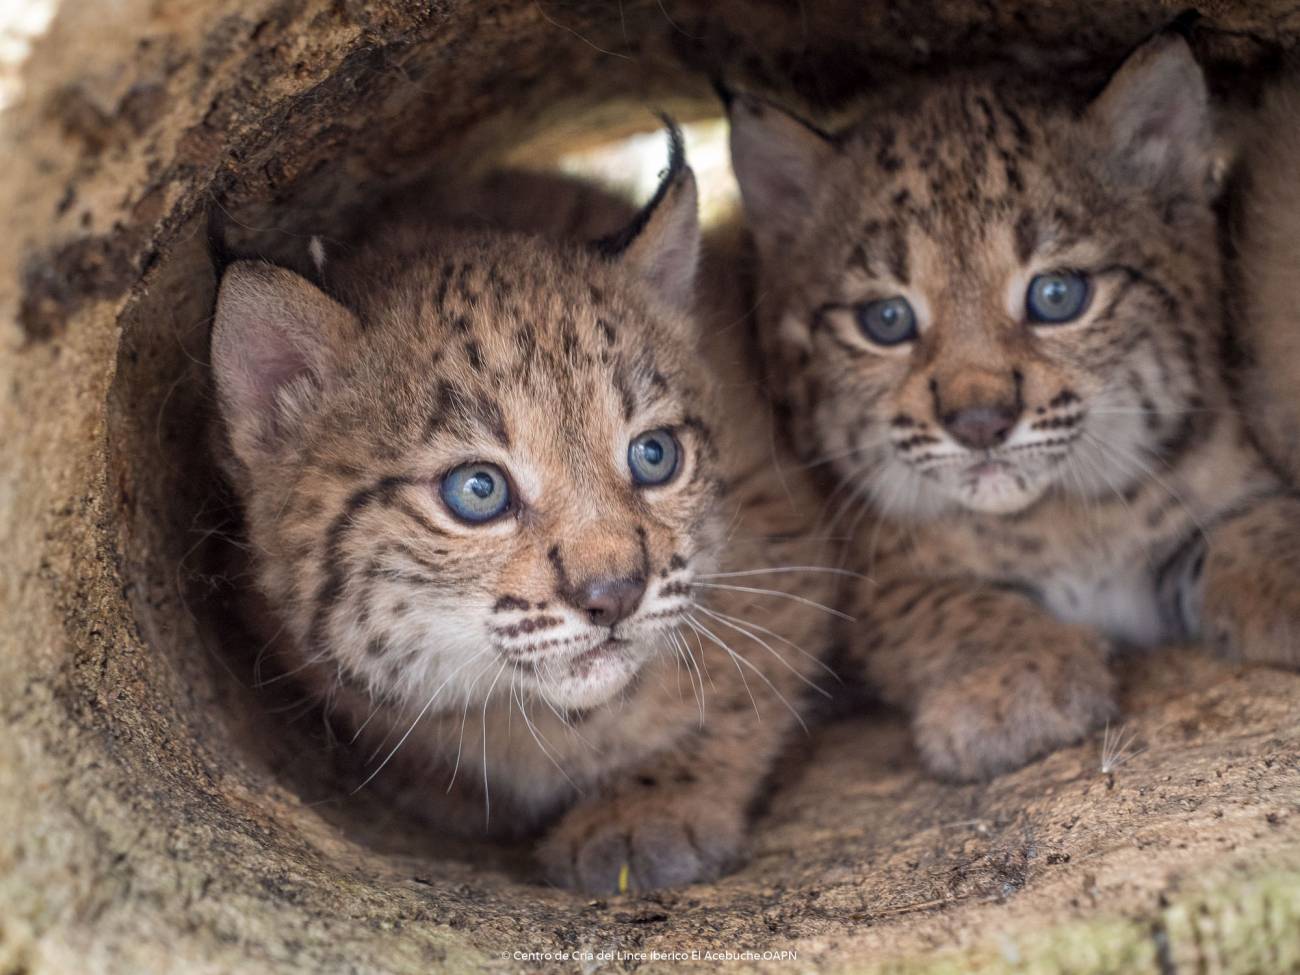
474 356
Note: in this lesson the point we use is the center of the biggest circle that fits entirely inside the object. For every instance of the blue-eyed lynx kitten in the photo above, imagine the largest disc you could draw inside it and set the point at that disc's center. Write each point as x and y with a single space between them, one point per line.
504 525
996 315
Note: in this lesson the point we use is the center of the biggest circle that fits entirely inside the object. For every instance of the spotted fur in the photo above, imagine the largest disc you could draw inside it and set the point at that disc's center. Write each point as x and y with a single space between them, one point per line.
471 654
1029 496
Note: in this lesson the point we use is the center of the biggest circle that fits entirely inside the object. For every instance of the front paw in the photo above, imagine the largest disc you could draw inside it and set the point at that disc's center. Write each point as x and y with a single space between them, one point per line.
1012 709
621 845
1251 613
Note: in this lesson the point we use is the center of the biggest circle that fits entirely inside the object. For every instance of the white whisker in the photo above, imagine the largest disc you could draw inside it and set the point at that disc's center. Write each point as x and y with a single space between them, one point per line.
766 646
464 718
739 659
1156 478
778 593
734 661
692 670
782 568
423 711
487 791
851 452
537 735
772 633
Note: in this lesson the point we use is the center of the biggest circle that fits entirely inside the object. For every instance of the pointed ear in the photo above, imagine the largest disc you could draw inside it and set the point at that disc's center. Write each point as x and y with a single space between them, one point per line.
662 243
1154 121
275 341
779 161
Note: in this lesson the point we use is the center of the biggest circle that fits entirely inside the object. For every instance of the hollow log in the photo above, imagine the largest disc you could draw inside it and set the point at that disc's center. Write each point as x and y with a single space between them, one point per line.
158 813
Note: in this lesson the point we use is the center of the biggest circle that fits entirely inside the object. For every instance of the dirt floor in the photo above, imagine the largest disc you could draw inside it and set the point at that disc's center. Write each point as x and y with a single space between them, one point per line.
157 814
861 857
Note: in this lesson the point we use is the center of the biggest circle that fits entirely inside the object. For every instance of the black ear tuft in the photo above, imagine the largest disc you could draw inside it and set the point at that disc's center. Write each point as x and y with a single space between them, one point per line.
309 262
724 92
1184 24
661 244
760 106
219 250
613 245
781 162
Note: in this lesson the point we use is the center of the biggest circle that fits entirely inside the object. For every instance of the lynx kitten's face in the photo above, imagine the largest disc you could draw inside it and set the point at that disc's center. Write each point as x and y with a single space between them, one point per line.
985 297
487 456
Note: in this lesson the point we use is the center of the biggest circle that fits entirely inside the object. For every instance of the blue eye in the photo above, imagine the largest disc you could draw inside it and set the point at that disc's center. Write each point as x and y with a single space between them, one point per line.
476 492
1057 298
652 457
889 321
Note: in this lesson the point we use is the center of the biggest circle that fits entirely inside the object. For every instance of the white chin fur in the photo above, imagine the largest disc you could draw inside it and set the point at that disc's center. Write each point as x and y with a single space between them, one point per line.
899 490
995 495
578 684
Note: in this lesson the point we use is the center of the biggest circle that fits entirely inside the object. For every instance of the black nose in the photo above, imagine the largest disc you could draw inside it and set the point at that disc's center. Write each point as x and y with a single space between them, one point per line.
607 601
981 427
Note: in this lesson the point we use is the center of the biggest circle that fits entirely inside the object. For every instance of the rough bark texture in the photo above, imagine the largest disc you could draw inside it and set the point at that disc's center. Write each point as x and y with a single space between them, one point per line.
157 814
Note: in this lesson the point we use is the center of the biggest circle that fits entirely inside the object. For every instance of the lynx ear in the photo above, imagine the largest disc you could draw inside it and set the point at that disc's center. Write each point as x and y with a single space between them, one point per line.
779 162
662 243
275 341
1154 118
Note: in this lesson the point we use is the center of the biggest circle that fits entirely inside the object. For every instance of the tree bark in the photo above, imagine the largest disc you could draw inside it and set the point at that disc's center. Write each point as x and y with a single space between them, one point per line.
159 814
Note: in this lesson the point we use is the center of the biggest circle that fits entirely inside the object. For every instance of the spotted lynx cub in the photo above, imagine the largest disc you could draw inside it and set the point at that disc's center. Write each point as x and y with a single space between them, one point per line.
998 320
507 533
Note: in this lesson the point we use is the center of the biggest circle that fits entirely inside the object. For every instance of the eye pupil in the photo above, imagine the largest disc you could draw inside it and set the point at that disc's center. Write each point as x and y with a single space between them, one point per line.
652 457
889 321
476 492
1057 298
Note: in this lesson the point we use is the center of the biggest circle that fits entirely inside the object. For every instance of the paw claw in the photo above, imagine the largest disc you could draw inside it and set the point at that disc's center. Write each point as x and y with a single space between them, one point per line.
604 849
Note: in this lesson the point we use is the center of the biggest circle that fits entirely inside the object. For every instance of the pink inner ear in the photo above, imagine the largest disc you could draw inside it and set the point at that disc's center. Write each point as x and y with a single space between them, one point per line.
1168 115
671 268
265 363
778 162
271 327
1155 113
276 372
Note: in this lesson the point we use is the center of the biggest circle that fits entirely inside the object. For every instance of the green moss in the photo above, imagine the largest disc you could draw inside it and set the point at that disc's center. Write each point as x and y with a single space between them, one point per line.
1247 927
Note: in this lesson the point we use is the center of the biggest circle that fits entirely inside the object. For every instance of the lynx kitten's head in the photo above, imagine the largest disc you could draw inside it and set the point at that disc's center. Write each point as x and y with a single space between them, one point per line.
479 453
982 295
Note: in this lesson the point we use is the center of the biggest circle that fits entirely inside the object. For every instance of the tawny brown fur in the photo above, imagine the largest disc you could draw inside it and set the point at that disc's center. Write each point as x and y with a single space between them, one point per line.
457 343
1125 502
1267 283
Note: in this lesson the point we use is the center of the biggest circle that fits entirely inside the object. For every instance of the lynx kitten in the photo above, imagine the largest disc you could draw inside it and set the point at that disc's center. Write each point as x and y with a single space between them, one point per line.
997 317
519 533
